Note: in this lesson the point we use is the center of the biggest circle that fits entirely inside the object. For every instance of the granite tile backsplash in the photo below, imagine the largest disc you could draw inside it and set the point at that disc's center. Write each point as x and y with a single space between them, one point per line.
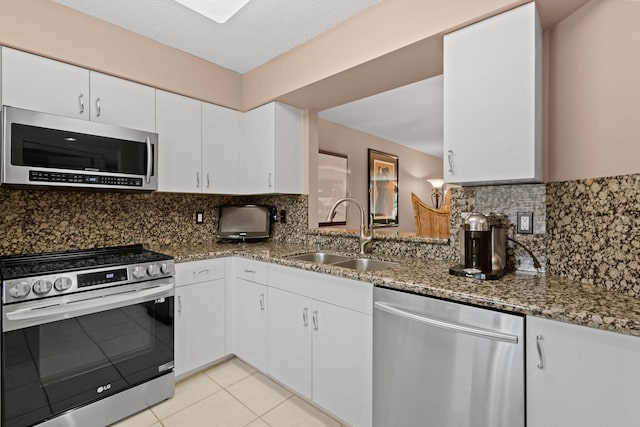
586 230
593 232
43 221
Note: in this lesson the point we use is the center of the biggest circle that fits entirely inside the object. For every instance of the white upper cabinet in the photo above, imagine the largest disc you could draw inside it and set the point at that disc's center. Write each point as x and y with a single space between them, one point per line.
581 377
270 156
122 102
221 135
493 100
198 145
40 84
178 123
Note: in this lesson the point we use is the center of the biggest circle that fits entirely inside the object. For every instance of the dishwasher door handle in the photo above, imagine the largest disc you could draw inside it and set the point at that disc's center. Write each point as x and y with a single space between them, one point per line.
454 327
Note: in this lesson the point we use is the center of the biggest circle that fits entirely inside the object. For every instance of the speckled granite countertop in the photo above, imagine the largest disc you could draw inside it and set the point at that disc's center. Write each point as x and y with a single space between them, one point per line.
547 297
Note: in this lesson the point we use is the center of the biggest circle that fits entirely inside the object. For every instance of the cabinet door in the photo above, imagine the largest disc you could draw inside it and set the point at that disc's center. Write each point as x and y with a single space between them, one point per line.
122 103
342 362
493 100
40 84
588 377
221 136
250 323
289 340
256 157
200 325
178 122
288 149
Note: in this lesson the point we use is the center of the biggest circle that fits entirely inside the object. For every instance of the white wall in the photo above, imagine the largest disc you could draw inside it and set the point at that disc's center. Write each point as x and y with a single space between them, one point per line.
594 93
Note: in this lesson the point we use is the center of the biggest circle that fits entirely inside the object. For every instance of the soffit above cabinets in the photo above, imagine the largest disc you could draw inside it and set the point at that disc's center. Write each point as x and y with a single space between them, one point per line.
410 115
260 31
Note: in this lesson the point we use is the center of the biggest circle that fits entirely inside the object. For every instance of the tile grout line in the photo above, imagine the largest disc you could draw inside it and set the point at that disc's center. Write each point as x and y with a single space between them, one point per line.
191 404
257 416
241 402
279 404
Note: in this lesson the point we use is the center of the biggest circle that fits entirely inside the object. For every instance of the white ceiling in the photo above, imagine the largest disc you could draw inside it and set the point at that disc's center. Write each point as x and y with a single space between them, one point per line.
261 30
410 115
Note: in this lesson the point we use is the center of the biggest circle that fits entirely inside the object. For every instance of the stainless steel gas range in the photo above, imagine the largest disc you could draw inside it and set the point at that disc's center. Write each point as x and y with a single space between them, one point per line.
87 336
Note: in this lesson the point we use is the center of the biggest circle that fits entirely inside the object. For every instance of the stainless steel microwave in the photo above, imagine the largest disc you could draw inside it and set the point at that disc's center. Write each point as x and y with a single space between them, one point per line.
46 150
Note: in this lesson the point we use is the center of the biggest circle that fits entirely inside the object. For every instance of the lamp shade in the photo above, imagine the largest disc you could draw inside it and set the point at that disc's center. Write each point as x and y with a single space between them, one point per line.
436 182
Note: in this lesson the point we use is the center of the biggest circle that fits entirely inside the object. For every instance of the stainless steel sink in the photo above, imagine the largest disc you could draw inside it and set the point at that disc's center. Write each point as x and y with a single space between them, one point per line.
320 258
365 264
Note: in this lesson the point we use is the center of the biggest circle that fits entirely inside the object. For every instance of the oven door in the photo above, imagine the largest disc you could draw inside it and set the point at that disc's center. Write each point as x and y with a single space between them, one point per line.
65 352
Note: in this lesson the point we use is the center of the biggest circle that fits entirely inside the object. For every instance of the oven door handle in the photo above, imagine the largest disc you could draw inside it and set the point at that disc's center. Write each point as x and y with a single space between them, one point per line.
79 304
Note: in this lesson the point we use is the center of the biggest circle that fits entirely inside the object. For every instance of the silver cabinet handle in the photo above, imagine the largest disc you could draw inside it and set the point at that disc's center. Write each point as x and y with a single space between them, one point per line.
81 100
455 327
98 107
149 159
246 270
197 179
180 304
269 179
314 318
201 272
539 348
305 317
261 302
208 179
450 160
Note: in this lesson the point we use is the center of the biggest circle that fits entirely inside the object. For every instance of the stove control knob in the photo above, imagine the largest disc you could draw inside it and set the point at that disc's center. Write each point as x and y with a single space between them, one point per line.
164 268
62 284
139 272
153 270
42 287
20 290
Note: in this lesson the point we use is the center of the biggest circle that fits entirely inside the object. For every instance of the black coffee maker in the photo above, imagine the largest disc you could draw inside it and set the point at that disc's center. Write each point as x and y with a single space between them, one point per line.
482 248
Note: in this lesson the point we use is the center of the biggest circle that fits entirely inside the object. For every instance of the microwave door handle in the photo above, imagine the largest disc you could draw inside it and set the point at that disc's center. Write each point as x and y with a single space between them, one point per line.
149 160
39 315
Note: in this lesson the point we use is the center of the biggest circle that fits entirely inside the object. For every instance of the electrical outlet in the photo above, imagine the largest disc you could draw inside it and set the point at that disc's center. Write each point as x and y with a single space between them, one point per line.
283 216
524 264
525 223
199 217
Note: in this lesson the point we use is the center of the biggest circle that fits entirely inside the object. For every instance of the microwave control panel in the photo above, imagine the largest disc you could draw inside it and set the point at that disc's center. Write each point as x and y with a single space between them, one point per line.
62 177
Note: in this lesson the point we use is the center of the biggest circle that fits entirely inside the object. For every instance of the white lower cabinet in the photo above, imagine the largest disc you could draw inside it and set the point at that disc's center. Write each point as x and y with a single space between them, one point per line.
342 363
199 315
581 377
289 343
320 340
250 323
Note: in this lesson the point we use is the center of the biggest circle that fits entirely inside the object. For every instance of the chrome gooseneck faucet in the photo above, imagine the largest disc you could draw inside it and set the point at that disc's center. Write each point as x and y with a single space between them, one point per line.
363 239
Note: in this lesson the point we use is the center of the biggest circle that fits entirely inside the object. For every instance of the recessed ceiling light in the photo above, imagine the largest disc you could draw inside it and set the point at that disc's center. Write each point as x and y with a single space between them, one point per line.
218 10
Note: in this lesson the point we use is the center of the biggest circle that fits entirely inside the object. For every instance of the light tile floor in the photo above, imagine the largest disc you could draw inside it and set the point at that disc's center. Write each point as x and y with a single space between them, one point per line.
228 395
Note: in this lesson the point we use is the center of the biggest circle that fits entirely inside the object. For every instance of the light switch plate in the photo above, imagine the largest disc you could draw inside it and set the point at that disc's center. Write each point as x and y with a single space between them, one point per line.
199 217
525 223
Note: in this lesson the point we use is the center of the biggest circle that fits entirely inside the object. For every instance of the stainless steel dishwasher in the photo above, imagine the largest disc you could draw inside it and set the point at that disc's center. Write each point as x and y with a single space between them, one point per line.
443 364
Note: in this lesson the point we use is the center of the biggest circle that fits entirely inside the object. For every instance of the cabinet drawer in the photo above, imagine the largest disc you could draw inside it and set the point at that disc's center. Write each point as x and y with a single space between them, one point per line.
347 293
253 271
199 271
